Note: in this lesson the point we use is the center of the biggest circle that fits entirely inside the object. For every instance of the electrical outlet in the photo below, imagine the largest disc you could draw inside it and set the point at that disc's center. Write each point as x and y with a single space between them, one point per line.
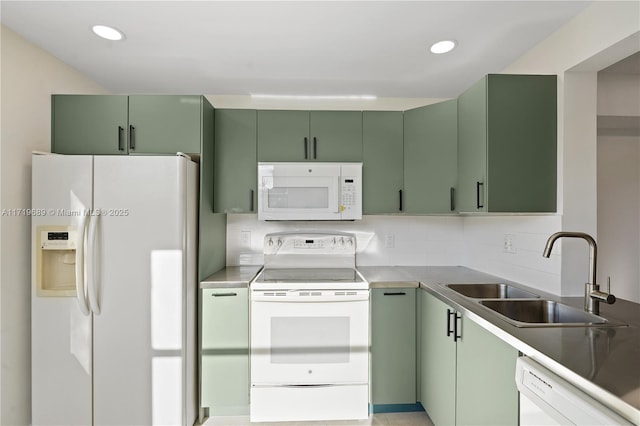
508 244
390 241
245 239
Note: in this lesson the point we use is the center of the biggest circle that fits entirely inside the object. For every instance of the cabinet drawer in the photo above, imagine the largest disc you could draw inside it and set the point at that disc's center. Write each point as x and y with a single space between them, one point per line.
225 318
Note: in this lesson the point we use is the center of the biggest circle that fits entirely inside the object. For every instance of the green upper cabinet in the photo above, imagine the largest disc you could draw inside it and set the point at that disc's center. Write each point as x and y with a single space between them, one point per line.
393 346
382 174
336 136
164 124
235 161
314 135
430 158
89 124
507 143
120 124
458 358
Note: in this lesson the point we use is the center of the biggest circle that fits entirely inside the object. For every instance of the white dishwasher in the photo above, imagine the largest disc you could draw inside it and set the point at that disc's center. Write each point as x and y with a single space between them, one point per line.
548 399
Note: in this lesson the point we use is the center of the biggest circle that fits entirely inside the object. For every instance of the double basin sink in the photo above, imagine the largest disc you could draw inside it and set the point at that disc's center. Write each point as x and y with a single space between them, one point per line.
525 309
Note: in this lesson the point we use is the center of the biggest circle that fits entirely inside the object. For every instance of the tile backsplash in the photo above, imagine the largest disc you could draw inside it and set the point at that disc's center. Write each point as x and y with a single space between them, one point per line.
477 242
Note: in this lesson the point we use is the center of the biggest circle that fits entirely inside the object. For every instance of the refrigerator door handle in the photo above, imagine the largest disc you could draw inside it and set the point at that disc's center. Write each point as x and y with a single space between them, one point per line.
93 265
80 267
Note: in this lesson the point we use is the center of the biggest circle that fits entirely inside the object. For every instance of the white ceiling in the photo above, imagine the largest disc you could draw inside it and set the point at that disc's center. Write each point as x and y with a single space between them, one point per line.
290 48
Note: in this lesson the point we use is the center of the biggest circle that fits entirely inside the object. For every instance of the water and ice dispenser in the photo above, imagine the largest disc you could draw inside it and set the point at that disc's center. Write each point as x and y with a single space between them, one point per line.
56 260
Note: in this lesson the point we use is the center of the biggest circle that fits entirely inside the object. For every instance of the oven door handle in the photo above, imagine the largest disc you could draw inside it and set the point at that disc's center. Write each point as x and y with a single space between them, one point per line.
294 297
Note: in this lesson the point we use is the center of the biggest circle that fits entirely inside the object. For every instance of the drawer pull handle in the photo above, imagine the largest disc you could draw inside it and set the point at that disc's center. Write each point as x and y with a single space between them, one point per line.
399 293
224 294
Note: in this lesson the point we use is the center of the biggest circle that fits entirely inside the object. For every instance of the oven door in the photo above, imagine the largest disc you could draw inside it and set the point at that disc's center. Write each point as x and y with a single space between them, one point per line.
309 337
298 192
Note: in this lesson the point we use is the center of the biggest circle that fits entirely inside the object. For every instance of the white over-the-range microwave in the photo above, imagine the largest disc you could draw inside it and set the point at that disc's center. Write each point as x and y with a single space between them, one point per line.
309 191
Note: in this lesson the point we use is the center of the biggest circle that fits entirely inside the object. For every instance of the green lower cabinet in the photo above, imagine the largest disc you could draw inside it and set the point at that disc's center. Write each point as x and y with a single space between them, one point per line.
437 361
393 346
466 380
486 392
225 351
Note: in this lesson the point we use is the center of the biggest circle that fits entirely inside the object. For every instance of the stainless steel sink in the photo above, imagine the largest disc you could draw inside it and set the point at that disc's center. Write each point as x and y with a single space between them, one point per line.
491 291
545 313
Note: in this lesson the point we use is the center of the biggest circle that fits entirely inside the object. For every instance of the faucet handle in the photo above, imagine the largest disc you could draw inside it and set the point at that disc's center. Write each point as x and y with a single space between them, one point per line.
604 297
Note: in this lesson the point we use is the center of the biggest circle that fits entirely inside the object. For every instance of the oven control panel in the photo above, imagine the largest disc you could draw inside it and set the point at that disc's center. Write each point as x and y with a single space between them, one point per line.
323 249
332 242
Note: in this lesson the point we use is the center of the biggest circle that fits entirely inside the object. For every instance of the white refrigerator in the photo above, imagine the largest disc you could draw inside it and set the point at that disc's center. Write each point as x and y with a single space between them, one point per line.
113 321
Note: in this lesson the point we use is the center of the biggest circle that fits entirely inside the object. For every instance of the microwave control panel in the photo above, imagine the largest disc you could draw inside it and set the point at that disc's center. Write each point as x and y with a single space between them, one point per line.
350 192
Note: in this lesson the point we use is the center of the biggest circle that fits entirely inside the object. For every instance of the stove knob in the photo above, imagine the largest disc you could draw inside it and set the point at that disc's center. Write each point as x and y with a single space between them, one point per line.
342 241
350 242
333 242
279 242
270 242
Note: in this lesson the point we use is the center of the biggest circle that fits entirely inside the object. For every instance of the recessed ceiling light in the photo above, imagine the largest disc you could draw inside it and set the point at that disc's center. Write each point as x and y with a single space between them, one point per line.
109 33
443 46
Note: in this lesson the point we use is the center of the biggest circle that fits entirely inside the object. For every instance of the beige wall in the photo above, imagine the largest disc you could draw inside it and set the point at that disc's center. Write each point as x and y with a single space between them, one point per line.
29 77
619 187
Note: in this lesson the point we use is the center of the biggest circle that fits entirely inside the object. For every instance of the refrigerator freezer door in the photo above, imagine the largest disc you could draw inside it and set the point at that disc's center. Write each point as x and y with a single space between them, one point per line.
139 335
60 332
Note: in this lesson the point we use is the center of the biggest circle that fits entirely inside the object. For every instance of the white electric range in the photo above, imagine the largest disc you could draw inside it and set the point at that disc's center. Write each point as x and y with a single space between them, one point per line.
309 330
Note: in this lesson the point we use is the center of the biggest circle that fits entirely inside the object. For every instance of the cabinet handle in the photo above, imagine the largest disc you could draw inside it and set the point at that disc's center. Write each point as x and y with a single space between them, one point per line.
452 195
251 200
224 294
398 293
456 336
478 185
315 148
132 140
306 148
400 195
120 138
449 313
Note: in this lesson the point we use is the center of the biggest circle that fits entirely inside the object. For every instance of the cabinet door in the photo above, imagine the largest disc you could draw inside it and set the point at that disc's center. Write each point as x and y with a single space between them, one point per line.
430 158
486 391
283 136
336 136
160 124
472 148
382 173
437 361
225 351
89 124
393 346
235 159
521 147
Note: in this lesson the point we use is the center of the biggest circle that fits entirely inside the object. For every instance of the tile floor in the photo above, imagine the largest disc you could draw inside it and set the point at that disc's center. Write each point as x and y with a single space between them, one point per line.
418 418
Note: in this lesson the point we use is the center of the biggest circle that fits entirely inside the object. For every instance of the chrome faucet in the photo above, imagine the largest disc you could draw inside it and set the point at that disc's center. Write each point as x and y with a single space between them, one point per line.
592 294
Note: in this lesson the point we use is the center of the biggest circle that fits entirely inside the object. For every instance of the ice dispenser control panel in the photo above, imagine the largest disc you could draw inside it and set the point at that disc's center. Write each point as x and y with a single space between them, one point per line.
58 240
56 261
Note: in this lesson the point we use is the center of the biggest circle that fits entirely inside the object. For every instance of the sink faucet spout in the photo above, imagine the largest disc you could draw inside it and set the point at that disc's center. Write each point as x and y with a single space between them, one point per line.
592 295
